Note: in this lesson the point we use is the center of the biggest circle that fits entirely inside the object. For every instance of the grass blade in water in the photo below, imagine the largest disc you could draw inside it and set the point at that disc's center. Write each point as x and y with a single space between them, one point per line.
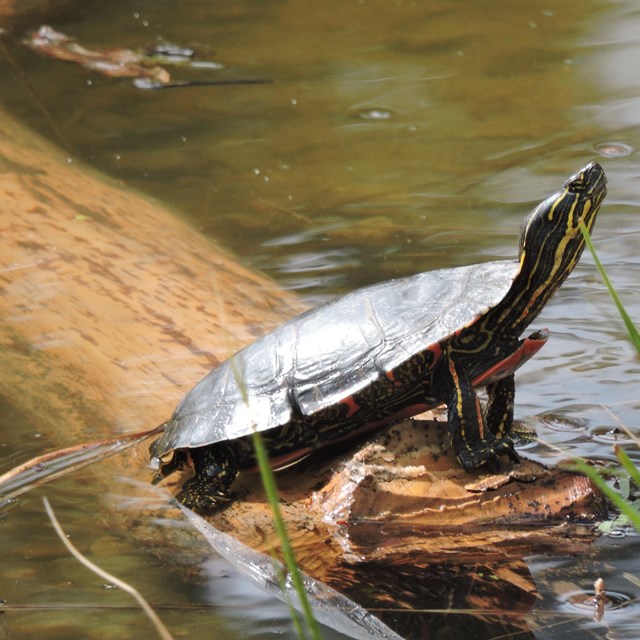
634 335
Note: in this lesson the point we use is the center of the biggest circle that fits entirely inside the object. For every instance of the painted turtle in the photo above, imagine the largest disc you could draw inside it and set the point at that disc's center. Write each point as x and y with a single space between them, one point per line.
383 353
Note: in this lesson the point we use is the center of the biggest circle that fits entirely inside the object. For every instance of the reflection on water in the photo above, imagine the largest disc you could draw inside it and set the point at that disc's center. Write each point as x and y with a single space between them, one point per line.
560 583
396 137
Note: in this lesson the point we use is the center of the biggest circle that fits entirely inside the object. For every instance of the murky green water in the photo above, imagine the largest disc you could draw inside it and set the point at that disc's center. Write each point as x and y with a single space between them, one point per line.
396 137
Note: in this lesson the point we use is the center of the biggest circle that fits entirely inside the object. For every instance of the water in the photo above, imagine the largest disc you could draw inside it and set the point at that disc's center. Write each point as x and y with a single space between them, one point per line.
395 137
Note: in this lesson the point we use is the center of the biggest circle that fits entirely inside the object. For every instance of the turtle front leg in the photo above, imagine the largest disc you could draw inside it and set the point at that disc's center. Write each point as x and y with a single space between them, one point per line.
473 442
501 395
215 469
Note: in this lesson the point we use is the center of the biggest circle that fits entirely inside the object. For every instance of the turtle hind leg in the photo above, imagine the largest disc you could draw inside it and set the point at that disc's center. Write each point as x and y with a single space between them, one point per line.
215 470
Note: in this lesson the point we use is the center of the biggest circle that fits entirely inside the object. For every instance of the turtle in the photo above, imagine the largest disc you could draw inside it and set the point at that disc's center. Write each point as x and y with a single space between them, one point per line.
383 353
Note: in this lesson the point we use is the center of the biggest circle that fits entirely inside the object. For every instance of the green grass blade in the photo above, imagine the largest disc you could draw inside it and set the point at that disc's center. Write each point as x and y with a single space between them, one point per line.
269 483
627 463
634 335
271 491
620 503
623 505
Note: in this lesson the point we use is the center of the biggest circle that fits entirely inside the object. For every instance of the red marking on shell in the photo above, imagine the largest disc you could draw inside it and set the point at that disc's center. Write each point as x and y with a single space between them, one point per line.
392 378
352 406
528 348
280 462
436 350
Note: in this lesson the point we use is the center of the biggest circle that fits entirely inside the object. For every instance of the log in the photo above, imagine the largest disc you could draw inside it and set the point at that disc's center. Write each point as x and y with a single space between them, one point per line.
110 296
111 307
374 522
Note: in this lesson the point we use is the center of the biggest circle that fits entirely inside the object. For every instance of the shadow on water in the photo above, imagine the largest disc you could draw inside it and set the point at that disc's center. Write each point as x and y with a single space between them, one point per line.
397 137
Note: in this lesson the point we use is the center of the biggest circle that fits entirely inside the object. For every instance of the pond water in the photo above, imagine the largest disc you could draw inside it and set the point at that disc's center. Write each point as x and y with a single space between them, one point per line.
395 137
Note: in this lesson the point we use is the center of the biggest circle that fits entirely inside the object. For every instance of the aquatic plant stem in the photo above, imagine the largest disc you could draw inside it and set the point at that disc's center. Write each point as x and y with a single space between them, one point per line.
269 484
624 506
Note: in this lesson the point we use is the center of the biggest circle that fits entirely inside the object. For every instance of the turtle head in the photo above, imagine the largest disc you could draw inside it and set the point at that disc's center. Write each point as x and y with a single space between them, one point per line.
553 227
551 241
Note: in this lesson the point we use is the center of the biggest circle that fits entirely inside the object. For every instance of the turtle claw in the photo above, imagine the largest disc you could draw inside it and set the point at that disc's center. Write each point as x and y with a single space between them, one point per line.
488 454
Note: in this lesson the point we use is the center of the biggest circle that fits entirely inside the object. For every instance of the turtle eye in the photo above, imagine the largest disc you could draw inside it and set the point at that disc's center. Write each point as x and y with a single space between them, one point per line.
576 184
590 179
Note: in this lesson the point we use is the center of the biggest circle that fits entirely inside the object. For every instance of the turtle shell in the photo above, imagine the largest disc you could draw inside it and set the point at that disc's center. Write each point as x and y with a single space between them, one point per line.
326 354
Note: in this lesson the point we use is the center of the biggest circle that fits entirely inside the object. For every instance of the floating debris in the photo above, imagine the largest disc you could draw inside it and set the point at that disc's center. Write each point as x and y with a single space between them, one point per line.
171 51
598 601
113 63
145 66
614 149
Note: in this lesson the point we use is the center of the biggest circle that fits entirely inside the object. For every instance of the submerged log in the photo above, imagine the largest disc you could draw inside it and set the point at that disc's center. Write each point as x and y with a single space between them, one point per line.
109 296
111 308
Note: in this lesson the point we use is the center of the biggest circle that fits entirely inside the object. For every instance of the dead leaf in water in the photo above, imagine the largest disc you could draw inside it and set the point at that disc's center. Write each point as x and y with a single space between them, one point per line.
113 63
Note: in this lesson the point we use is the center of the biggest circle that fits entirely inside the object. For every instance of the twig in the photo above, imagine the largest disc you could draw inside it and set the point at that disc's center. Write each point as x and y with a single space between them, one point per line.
52 465
163 632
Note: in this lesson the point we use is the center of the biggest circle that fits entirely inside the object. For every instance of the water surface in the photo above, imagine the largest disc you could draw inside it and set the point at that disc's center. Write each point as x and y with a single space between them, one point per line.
395 137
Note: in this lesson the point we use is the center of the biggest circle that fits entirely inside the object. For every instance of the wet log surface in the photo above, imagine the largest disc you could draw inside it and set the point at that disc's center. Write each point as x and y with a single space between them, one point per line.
402 498
111 308
396 525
